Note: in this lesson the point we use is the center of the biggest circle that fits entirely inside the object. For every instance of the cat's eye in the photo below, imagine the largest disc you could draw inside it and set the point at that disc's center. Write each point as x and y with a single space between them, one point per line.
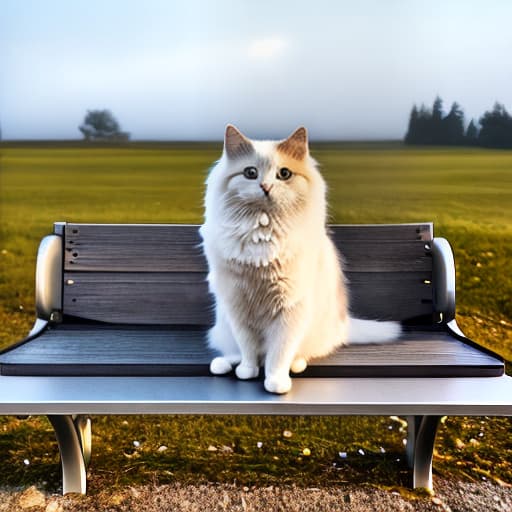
284 174
251 173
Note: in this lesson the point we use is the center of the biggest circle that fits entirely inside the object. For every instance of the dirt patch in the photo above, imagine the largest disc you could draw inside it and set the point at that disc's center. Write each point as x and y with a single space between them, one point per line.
450 496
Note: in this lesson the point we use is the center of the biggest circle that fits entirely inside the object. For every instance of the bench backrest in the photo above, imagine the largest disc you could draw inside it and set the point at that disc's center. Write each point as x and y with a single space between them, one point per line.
155 274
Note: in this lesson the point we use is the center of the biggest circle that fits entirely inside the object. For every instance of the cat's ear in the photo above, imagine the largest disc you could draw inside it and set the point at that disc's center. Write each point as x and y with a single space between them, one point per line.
235 143
296 145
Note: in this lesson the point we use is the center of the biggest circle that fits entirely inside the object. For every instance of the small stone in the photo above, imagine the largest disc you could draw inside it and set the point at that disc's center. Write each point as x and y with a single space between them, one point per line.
264 220
32 498
212 448
136 444
116 499
162 448
360 451
26 462
53 506
259 444
343 455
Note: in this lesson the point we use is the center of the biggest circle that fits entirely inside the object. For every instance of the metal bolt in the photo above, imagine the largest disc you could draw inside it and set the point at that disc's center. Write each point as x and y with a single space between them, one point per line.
56 317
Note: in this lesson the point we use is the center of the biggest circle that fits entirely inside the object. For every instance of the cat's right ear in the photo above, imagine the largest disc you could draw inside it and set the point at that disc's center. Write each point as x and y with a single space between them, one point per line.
235 143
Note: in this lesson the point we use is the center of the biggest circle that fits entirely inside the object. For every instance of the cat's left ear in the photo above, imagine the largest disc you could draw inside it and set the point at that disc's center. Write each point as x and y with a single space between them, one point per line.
236 144
296 145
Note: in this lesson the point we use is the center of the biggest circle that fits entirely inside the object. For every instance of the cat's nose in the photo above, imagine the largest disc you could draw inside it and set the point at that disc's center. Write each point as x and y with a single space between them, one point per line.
266 187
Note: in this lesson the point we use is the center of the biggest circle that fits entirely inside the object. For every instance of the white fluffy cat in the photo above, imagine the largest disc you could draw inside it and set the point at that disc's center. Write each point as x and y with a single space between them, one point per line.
280 293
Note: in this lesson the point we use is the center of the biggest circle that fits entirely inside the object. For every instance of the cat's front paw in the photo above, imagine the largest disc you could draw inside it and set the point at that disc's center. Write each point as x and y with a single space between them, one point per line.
278 384
220 366
247 372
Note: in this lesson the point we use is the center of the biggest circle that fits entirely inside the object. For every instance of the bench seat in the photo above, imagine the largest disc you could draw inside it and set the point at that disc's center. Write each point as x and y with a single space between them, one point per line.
97 349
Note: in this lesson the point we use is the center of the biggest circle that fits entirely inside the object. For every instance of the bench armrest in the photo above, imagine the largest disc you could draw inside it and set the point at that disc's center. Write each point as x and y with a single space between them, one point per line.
49 278
444 278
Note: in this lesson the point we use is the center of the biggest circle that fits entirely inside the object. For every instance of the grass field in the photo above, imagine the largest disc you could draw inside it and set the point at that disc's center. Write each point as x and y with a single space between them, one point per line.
466 192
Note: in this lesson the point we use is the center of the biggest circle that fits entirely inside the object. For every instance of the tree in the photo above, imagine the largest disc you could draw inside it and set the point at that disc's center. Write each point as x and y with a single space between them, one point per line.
424 125
436 125
452 127
472 134
412 130
496 129
101 125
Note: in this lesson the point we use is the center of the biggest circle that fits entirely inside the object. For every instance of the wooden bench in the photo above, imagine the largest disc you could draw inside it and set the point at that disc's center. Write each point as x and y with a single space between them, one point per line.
121 318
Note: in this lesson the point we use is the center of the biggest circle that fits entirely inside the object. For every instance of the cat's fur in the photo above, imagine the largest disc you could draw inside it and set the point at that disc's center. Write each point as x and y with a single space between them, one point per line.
276 276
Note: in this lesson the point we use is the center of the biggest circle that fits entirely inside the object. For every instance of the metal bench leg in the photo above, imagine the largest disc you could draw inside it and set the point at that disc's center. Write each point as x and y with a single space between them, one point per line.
420 448
84 429
71 455
413 423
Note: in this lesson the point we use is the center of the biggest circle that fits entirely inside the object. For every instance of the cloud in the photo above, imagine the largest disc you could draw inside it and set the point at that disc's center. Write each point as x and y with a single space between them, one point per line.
266 48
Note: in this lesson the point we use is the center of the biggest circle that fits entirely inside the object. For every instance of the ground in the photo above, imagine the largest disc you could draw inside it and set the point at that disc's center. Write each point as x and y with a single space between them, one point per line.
450 496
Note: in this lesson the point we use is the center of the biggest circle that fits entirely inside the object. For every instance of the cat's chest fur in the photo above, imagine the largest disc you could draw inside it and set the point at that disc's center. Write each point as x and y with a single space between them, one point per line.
252 241
255 270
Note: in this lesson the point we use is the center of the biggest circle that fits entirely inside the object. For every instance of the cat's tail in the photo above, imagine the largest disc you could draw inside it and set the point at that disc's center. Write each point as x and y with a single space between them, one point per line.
372 331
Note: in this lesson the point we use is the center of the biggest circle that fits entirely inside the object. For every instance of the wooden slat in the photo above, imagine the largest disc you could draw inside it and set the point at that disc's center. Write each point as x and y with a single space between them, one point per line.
103 350
132 248
390 296
383 232
145 298
183 298
176 248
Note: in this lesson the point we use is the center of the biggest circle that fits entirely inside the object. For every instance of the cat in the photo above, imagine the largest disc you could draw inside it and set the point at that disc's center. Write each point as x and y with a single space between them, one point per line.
276 276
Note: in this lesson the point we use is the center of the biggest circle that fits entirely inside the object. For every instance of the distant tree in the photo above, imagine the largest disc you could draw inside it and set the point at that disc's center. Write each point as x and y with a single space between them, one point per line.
452 127
472 134
424 126
496 131
101 125
412 130
431 126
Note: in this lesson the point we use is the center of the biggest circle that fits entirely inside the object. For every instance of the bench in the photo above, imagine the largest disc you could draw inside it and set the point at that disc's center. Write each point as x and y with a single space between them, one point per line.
121 318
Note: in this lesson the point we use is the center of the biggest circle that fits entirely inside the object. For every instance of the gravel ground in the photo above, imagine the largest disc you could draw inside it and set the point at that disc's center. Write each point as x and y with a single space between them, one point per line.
450 496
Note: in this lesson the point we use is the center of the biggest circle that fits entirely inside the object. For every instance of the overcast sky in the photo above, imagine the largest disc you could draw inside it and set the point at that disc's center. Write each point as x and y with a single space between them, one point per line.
183 69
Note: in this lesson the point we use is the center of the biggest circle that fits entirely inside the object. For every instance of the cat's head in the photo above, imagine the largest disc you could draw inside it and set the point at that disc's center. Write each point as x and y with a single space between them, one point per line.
277 176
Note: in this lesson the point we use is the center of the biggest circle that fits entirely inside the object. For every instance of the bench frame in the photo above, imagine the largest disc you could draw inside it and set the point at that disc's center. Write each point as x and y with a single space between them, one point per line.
68 401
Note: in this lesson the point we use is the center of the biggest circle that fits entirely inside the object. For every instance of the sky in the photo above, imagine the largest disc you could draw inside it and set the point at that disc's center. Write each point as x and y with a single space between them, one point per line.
182 70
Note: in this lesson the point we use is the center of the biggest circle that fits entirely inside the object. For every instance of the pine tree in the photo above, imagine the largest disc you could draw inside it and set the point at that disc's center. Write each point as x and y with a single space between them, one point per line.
452 127
472 134
436 126
496 129
424 125
411 136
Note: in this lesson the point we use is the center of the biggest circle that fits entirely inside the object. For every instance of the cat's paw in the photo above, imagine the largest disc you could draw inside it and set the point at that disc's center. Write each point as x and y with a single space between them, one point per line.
220 366
278 384
299 365
247 372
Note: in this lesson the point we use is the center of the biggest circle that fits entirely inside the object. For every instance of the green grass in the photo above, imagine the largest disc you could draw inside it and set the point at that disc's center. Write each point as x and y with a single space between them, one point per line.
466 192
